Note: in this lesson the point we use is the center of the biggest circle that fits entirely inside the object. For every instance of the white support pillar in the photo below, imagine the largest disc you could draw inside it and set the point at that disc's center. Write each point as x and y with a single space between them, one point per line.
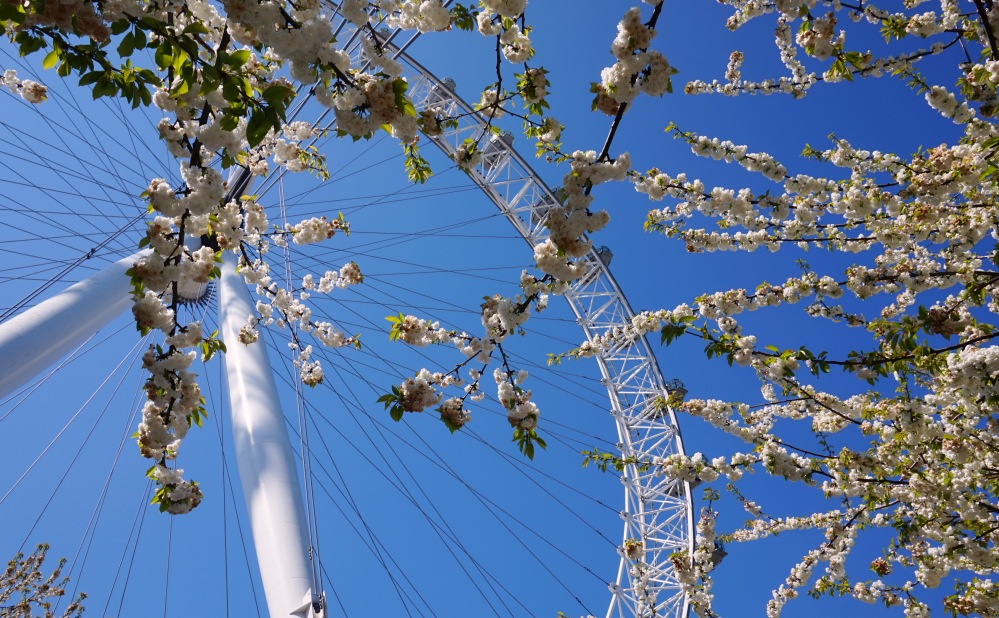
32 341
264 457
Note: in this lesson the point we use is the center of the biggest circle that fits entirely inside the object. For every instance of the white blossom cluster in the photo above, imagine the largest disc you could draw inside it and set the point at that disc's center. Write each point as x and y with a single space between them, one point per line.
30 91
521 411
179 495
454 412
692 570
506 8
637 69
424 390
725 150
169 266
315 229
498 18
491 104
569 224
420 15
310 371
166 417
501 319
948 105
797 84
516 45
418 392
796 216
818 38
467 155
194 135
286 308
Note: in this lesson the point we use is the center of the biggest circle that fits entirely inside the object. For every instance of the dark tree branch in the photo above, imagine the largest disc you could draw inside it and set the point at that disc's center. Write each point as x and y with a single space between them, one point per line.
983 13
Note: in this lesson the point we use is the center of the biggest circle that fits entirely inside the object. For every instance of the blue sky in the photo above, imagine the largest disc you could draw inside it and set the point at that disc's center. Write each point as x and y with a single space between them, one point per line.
399 533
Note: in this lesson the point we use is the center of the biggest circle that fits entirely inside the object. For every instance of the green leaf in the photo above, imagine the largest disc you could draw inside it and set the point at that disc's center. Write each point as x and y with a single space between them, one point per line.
51 59
210 75
119 26
180 59
257 128
89 78
104 87
127 45
195 28
276 95
229 122
399 87
182 87
64 68
239 58
162 56
840 68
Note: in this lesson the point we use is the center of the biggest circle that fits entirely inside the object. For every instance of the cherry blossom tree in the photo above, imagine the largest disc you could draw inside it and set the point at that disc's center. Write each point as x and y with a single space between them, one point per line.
903 449
904 443
25 589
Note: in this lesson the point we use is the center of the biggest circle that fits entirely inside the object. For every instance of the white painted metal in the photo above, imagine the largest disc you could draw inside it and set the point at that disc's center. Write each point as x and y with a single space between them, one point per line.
266 463
35 339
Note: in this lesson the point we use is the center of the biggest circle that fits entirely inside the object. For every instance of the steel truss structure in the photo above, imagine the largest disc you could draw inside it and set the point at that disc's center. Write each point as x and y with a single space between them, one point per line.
658 511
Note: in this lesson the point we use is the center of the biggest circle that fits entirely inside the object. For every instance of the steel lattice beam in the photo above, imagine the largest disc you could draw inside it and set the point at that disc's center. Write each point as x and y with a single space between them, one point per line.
658 510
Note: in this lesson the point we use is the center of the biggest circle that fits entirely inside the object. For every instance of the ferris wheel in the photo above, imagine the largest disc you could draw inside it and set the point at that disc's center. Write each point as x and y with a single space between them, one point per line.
70 369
